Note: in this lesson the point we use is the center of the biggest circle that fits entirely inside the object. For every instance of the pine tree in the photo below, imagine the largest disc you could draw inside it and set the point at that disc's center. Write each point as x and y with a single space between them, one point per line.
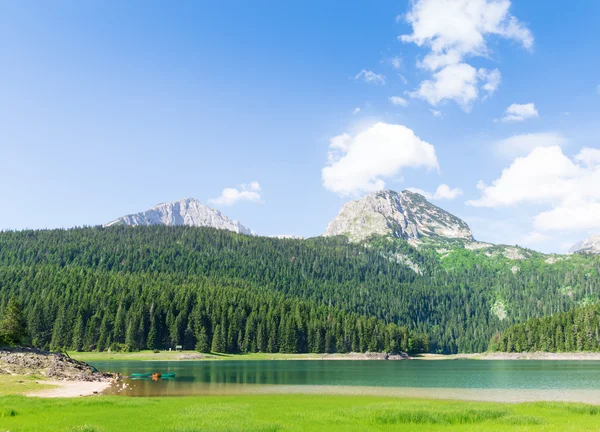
202 344
153 339
13 329
78 334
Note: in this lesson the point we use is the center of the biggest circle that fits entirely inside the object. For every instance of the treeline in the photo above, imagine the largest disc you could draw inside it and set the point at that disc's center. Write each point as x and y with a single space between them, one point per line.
451 302
83 309
575 330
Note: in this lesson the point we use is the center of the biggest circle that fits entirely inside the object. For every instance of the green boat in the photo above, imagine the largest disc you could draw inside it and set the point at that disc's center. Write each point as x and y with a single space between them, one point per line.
149 375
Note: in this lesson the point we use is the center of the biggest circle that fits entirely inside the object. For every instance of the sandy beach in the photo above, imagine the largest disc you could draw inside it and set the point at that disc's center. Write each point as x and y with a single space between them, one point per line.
69 389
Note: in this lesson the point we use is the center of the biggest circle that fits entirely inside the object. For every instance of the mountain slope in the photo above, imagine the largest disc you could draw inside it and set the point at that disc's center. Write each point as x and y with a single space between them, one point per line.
406 215
188 211
459 299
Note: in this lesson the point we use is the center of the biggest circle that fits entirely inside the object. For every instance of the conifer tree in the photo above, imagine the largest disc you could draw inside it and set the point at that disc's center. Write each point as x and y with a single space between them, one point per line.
13 329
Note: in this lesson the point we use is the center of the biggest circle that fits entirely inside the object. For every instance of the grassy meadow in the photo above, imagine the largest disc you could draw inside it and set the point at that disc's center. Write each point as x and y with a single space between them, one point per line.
18 384
268 413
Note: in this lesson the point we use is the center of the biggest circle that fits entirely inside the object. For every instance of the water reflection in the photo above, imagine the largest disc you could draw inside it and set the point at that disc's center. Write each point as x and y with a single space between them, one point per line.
224 377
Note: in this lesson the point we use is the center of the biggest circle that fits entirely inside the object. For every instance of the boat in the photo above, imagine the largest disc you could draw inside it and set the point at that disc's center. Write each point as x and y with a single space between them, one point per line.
153 375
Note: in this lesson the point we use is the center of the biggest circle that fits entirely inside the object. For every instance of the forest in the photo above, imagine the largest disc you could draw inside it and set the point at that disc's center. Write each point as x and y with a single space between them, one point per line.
156 287
575 330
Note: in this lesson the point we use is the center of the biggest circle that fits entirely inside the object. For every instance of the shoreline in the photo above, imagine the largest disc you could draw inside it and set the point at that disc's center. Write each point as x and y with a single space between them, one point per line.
195 356
576 356
70 389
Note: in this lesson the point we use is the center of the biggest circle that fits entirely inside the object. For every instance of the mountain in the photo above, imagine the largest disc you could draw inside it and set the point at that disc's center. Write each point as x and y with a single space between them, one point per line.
406 215
187 211
591 245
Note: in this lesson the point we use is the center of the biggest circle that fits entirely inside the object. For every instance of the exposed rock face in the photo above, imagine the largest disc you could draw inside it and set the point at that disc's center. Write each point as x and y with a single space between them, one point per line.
406 215
188 211
591 245
24 361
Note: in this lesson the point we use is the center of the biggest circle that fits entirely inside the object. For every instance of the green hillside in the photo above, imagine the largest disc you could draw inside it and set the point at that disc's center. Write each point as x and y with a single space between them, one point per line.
575 330
138 287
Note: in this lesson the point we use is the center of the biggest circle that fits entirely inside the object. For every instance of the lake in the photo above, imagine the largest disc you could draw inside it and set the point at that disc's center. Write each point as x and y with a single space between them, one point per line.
498 380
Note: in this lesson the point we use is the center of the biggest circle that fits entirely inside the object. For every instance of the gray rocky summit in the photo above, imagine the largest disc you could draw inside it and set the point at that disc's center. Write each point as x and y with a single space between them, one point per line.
187 211
591 245
405 215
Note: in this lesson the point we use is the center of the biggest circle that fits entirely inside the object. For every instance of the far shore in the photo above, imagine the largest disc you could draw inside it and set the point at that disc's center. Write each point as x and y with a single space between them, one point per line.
195 356
513 356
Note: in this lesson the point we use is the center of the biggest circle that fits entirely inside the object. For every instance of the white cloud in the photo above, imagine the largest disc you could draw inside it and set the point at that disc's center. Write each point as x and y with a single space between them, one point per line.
397 100
356 110
244 192
490 79
442 192
396 62
370 77
520 112
361 162
459 82
533 238
576 216
436 113
547 178
454 30
521 145
588 156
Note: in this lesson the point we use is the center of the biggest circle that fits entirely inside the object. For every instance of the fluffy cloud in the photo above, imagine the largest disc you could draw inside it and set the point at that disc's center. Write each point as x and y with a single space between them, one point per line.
459 82
356 110
548 178
370 77
396 62
589 156
397 100
360 163
244 192
520 112
521 145
442 192
454 30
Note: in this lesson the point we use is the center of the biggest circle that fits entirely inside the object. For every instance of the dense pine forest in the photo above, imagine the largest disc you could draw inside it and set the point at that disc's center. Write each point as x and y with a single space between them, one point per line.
157 287
575 330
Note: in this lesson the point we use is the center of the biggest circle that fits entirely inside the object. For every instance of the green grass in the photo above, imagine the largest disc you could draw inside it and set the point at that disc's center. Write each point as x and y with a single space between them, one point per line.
178 355
270 413
19 384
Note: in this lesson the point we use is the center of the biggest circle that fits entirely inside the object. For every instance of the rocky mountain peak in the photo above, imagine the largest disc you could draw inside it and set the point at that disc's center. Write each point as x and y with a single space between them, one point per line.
590 245
187 211
405 215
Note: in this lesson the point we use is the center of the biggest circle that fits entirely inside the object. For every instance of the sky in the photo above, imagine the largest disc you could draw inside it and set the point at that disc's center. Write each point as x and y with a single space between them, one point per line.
277 113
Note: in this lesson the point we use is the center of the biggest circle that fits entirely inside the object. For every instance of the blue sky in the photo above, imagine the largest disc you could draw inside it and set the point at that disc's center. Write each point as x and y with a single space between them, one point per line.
111 107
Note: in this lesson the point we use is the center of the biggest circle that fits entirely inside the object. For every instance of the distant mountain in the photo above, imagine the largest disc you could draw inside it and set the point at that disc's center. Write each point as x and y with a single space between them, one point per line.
406 215
591 245
187 211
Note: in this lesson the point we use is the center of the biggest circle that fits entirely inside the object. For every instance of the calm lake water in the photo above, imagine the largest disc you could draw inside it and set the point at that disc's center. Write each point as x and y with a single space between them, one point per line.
552 379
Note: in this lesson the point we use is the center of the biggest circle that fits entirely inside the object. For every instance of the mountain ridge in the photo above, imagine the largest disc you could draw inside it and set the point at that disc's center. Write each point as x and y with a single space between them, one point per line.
590 245
406 215
186 211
